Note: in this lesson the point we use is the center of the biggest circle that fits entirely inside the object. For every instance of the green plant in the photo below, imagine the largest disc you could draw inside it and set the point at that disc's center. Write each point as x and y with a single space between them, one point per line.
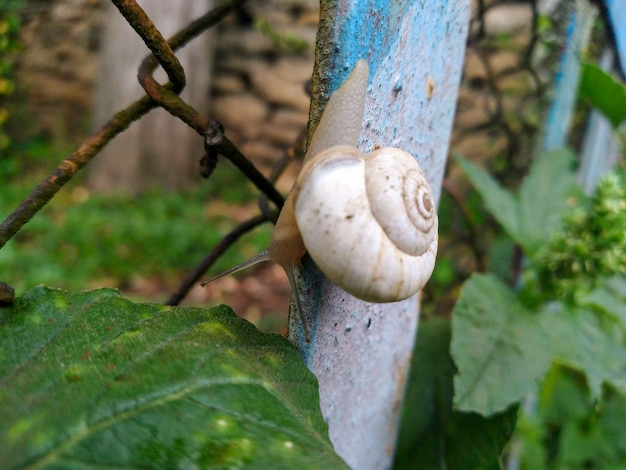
590 247
604 92
159 241
90 380
505 340
283 41
86 239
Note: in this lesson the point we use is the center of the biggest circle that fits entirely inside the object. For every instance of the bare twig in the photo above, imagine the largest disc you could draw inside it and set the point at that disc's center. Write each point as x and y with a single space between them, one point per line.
293 152
7 294
46 190
214 139
195 275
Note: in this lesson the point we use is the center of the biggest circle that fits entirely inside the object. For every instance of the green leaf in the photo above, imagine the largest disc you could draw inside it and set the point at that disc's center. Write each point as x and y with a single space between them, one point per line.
500 202
612 419
500 349
91 380
564 396
575 431
603 92
547 193
545 196
582 341
610 298
432 435
581 432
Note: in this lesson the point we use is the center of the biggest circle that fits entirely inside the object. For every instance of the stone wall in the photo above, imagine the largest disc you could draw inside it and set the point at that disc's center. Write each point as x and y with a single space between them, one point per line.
58 67
258 87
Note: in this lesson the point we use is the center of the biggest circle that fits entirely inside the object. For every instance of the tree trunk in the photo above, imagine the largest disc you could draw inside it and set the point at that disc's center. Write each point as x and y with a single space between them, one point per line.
158 150
359 351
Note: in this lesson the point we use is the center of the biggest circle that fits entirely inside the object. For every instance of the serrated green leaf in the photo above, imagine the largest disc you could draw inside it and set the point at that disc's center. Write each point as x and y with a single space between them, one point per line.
500 349
432 435
90 380
610 297
564 396
603 92
545 196
583 433
500 202
583 342
612 421
576 430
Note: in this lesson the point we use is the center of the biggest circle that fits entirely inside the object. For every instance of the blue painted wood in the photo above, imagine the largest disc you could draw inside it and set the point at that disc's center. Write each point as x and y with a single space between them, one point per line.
568 76
601 150
361 351
616 10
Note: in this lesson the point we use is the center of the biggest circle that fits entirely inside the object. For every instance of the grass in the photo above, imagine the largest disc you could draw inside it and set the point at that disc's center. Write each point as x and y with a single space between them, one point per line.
84 240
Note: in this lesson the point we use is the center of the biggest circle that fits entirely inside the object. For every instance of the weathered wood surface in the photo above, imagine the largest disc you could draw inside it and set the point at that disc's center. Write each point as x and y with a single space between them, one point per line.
159 150
359 351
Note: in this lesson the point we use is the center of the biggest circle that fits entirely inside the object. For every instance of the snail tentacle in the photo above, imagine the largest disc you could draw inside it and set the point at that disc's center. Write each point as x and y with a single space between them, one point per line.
256 259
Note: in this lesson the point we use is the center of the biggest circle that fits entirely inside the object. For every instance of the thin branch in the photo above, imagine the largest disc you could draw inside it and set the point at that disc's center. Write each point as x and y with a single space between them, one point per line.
194 276
198 26
47 189
294 151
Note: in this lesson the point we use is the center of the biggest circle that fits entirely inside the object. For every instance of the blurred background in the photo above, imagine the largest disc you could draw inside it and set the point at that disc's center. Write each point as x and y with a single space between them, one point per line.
140 217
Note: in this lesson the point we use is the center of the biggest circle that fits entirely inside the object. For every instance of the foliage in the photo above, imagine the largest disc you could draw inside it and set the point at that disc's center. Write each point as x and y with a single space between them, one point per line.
432 434
504 340
84 239
535 212
604 92
92 380
282 41
590 246
9 44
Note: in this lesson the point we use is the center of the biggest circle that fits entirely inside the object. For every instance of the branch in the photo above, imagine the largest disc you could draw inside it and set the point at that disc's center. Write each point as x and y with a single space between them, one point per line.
214 138
47 189
195 275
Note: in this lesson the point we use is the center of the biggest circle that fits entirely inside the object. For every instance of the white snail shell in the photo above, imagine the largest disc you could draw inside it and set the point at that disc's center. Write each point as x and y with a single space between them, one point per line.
368 221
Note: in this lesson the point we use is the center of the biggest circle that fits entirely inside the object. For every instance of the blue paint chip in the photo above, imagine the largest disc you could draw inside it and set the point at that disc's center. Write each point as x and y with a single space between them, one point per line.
371 43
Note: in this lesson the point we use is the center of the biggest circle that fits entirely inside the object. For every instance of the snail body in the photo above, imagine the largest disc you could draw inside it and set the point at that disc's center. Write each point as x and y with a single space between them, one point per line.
368 221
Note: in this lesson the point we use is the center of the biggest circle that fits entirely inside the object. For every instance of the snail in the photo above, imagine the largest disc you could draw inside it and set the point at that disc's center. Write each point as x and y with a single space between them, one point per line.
368 221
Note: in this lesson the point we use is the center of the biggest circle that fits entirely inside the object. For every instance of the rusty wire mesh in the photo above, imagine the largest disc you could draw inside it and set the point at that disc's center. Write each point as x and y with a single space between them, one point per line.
512 54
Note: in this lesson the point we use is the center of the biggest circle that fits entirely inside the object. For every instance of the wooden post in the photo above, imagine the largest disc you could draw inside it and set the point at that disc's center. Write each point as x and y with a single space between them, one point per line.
159 150
360 351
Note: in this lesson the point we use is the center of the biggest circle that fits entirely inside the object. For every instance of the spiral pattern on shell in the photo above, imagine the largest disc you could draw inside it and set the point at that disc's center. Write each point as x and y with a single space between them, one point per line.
368 221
